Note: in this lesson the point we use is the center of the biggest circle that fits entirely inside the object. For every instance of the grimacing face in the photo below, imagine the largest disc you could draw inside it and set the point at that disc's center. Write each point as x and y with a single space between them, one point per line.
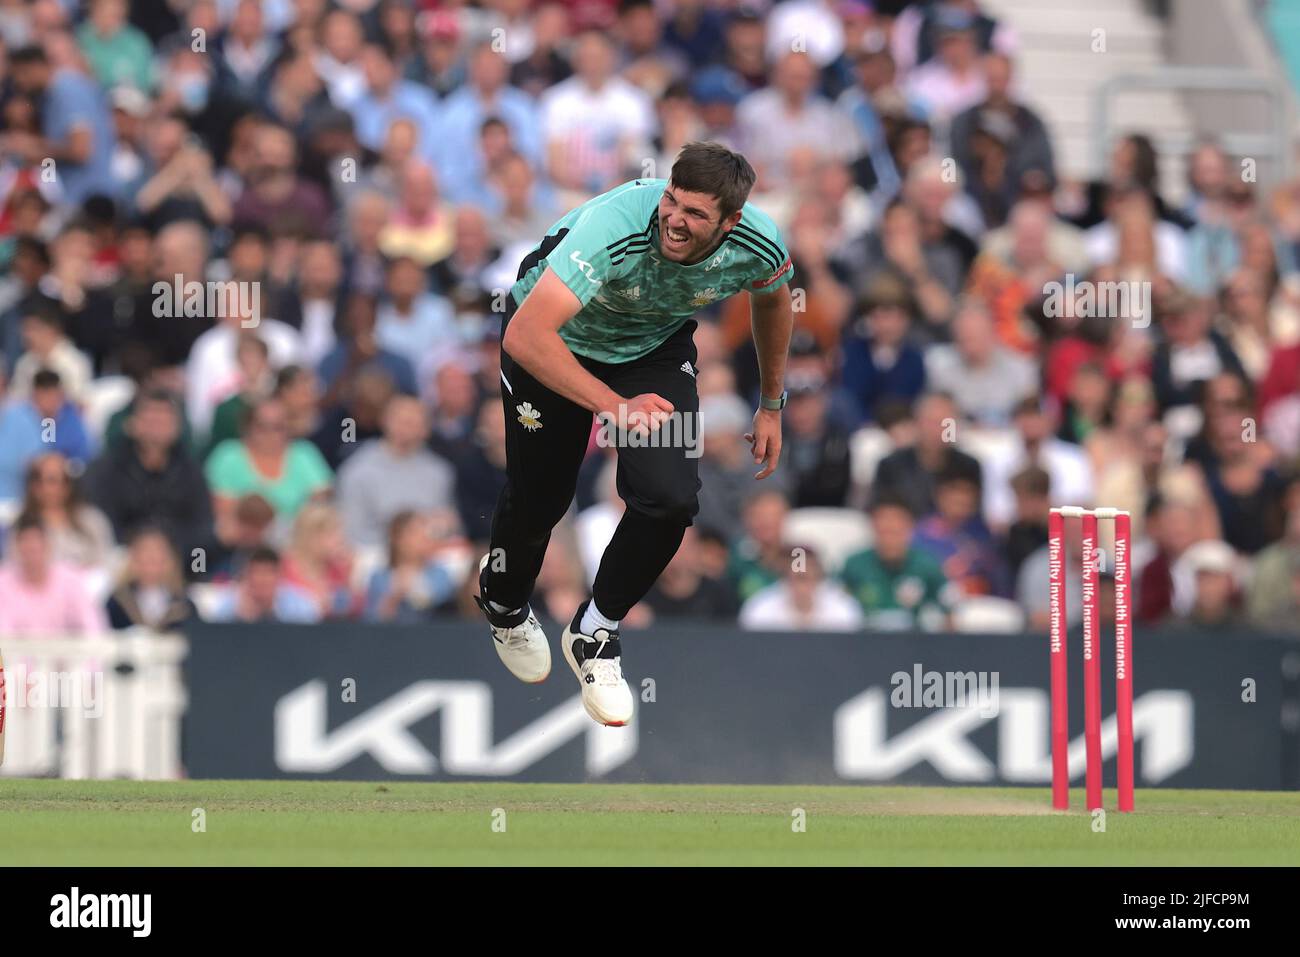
690 225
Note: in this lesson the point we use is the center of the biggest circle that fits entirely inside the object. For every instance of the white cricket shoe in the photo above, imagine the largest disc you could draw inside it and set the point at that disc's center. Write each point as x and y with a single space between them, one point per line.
595 660
519 639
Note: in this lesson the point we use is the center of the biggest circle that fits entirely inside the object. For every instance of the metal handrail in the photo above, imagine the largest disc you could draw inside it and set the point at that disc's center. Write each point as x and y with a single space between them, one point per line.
1272 145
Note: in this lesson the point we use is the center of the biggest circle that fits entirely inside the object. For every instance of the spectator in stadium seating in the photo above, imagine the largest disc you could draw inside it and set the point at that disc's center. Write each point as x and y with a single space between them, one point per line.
150 478
911 472
803 600
358 350
212 373
287 473
466 276
1132 235
394 474
78 533
245 54
20 292
388 97
255 383
1207 178
76 126
486 94
151 591
44 422
1173 527
276 198
414 585
313 304
75 287
899 252
759 557
807 120
1214 243
1246 489
251 527
39 595
562 579
953 80
816 449
180 250
1012 126
318 560
48 347
298 389
1067 464
985 377
420 226
520 210
1247 321
726 469
411 321
363 262
296 97
439 64
1015 265
118 53
917 30
1028 532
338 60
594 121
481 472
898 585
880 360
1212 566
715 93
1272 596
957 537
1123 445
179 182
261 595
454 397
868 102
685 590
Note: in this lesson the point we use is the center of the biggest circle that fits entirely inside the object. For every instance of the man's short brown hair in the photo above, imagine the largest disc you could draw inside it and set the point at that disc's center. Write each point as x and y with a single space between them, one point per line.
716 171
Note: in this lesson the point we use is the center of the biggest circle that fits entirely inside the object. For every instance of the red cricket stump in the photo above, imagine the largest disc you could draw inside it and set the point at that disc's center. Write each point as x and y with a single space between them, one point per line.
1123 662
1058 627
1060 664
1091 661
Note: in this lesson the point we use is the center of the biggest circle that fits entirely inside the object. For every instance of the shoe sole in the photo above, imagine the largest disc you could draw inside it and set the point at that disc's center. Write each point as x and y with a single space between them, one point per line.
565 641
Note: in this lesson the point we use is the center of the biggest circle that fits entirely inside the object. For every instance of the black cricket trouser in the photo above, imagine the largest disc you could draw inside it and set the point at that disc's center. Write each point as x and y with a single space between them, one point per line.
546 438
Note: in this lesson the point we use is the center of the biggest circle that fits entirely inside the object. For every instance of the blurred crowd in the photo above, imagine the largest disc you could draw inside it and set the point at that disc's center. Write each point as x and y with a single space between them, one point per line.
332 447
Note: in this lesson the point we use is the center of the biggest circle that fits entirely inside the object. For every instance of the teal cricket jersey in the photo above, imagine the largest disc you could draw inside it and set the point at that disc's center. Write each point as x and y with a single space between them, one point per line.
607 252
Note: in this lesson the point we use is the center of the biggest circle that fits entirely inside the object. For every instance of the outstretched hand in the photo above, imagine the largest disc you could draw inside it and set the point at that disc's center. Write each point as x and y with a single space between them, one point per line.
765 441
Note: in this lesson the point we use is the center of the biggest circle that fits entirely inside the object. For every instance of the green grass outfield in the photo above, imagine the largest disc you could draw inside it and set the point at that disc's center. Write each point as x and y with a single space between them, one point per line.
45 822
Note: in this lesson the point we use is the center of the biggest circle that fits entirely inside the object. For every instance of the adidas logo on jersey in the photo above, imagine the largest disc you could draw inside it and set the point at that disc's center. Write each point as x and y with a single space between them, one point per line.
686 367
634 293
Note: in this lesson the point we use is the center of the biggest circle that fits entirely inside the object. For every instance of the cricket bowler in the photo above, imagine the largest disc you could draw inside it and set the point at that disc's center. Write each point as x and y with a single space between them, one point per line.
600 322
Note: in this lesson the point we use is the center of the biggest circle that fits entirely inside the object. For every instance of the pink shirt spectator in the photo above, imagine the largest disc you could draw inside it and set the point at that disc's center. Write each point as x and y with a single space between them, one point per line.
60 605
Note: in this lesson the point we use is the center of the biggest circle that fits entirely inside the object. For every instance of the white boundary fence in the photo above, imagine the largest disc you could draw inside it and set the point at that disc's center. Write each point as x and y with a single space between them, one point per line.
102 707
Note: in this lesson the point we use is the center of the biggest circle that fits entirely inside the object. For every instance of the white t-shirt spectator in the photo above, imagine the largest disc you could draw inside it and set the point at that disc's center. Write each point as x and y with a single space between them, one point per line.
1067 464
594 125
212 371
772 609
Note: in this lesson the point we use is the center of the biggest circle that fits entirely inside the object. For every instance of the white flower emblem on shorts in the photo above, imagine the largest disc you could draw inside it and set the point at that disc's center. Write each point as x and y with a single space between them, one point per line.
529 417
